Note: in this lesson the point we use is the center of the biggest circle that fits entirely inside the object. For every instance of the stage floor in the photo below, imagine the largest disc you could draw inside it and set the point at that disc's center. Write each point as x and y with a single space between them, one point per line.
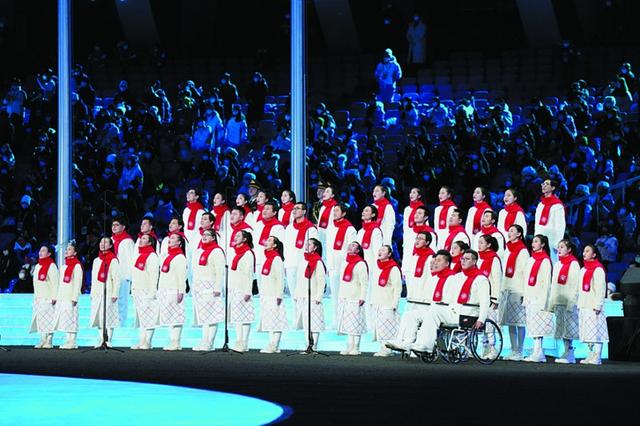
363 390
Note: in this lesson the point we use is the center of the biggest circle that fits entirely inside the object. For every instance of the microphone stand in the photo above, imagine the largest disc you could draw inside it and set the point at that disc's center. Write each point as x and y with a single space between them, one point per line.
105 335
225 347
309 350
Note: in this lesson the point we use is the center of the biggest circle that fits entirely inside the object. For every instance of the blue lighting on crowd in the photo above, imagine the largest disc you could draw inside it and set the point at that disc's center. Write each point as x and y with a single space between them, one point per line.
43 401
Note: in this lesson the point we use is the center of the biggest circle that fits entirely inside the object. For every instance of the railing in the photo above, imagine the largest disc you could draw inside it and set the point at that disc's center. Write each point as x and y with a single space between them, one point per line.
622 186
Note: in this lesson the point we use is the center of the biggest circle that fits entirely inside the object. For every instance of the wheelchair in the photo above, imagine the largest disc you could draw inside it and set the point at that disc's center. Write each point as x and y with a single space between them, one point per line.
459 343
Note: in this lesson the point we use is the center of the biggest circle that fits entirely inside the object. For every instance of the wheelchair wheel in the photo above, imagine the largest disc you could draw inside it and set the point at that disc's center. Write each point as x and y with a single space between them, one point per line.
429 357
486 343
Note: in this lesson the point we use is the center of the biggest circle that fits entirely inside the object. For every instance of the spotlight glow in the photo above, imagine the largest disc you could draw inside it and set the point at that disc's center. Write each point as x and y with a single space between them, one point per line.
44 401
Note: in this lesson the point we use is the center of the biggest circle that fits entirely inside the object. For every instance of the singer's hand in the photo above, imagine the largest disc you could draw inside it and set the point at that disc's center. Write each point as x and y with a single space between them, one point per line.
247 297
53 302
317 302
360 302
179 297
74 302
114 299
278 301
216 294
597 311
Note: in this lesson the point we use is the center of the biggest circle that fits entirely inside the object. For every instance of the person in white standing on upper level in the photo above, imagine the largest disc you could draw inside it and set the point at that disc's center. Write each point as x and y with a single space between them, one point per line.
474 215
550 216
386 214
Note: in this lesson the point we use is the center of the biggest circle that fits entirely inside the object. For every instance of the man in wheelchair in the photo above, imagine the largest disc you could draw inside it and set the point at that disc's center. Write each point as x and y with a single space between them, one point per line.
426 294
465 304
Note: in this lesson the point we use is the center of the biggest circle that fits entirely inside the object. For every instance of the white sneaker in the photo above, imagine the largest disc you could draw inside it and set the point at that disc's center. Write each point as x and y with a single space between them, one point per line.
588 359
491 353
354 352
384 352
268 350
68 345
420 348
536 357
39 345
514 356
594 361
345 351
567 358
172 346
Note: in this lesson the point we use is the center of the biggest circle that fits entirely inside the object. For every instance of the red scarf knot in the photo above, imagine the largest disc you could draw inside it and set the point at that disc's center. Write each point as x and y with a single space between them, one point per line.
514 250
590 267
381 204
240 251
442 279
512 212
326 213
44 263
547 203
412 214
487 258
465 291
563 275
106 259
207 248
312 260
173 252
71 263
385 267
193 207
270 255
302 228
352 261
341 225
118 238
481 207
423 254
266 230
287 208
453 231
368 227
218 212
539 257
442 218
144 253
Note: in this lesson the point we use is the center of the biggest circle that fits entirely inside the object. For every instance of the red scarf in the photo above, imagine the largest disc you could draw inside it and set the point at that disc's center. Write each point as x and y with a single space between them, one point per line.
302 230
341 225
442 278
590 267
368 232
422 253
269 256
240 251
103 271
247 209
193 207
455 265
381 204
207 248
287 208
173 252
259 209
489 230
266 230
385 268
118 238
512 211
312 259
44 263
538 257
218 212
326 213
514 250
547 202
465 291
71 263
145 251
240 226
453 231
481 207
352 261
442 219
487 256
184 237
563 275
152 233
414 205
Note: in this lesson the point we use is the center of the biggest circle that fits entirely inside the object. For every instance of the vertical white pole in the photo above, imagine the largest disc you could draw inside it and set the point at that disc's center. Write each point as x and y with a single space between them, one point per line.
298 100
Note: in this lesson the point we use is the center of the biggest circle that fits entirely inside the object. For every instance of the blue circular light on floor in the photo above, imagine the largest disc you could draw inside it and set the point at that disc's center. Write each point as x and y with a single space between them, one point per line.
42 400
